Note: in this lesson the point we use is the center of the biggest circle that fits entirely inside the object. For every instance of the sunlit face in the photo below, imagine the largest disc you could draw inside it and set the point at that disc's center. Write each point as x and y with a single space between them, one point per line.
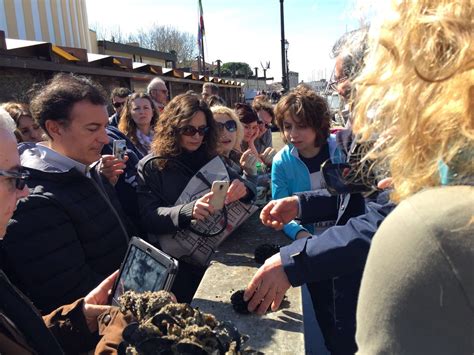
192 143
250 130
206 92
141 111
343 87
9 194
84 137
160 94
300 135
227 139
30 130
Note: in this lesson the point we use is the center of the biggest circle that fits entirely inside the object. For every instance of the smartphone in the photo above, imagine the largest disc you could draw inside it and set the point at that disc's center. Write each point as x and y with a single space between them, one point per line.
120 149
145 268
219 189
342 178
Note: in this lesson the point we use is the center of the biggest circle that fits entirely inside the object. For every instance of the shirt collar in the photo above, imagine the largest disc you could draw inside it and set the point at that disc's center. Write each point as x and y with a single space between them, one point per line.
59 161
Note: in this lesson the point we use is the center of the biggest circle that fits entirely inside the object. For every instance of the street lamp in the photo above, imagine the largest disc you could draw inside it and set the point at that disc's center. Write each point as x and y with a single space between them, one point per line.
287 45
284 73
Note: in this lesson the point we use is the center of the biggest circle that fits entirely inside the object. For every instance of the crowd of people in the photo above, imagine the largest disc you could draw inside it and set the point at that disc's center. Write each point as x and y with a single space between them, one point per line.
389 271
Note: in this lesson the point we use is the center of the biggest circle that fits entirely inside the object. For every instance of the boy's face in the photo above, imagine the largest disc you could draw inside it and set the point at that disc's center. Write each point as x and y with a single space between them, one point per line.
299 134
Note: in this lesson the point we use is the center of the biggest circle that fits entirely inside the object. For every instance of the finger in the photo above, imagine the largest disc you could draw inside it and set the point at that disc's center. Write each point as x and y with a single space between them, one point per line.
267 301
277 301
109 281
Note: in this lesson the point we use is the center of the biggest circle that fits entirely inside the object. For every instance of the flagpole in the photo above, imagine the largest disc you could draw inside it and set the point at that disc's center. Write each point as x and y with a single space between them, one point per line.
202 33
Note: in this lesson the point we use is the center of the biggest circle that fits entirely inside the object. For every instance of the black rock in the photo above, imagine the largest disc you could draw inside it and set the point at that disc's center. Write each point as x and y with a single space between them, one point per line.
264 251
237 299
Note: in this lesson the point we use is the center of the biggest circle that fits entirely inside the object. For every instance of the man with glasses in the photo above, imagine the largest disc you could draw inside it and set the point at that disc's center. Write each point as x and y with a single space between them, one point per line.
70 232
118 98
159 93
266 116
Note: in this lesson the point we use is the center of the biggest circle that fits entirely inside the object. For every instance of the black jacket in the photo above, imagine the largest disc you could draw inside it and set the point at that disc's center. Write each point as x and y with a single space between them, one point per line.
158 190
64 238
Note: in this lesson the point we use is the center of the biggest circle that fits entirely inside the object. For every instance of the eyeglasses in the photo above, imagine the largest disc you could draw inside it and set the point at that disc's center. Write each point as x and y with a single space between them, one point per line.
191 130
19 177
335 82
229 125
118 104
267 125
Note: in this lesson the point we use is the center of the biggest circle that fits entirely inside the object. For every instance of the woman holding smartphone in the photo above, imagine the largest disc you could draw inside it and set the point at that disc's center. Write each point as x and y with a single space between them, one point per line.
185 140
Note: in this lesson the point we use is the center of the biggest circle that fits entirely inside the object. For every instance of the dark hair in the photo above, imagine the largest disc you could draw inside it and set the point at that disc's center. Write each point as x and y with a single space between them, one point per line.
176 114
245 113
126 123
308 108
55 100
215 100
263 104
121 92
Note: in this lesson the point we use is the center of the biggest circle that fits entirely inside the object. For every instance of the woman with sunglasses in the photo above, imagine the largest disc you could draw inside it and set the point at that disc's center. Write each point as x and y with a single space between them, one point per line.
138 120
228 147
186 139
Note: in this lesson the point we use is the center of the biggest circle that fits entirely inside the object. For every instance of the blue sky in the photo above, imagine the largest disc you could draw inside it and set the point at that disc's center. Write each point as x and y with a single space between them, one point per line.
244 30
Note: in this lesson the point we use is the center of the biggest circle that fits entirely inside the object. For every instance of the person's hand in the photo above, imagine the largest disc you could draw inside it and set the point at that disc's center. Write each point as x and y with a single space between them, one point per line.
248 162
385 183
268 155
112 168
236 191
279 212
268 286
202 209
96 302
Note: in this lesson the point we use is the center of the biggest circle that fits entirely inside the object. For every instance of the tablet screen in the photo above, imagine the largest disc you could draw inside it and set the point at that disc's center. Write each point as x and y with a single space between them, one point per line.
141 272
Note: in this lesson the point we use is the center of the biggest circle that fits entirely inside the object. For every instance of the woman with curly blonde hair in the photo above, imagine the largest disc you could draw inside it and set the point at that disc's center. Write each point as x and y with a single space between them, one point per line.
137 121
417 291
185 140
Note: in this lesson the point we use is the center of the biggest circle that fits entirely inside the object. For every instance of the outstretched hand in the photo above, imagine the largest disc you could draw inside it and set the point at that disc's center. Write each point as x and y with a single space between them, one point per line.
268 286
236 191
268 155
248 162
279 212
96 302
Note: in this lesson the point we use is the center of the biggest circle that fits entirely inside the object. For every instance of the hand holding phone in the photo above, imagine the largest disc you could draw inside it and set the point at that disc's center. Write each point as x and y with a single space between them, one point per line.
120 149
219 192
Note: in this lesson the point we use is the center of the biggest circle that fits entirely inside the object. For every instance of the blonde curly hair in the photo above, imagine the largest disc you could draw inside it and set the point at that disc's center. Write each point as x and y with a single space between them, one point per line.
225 111
417 89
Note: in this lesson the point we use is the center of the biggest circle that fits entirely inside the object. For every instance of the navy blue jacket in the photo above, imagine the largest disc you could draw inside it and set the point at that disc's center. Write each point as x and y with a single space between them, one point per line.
332 264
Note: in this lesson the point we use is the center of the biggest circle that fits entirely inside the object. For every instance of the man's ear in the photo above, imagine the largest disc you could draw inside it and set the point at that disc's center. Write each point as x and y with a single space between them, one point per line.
54 128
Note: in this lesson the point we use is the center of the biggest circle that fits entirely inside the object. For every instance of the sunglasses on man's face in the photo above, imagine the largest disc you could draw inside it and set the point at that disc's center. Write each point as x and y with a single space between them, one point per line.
267 125
18 178
118 104
229 125
191 130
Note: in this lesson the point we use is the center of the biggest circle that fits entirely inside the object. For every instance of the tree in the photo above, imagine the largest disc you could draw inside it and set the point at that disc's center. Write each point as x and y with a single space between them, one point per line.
158 38
236 69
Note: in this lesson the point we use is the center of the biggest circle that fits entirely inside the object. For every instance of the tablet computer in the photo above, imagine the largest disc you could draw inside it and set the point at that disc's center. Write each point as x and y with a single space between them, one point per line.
145 268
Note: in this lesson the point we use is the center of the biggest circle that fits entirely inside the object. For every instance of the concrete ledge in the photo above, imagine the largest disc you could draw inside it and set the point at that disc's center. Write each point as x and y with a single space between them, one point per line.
232 269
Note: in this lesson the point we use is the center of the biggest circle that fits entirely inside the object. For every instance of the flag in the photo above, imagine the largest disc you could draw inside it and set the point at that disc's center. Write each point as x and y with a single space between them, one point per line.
201 31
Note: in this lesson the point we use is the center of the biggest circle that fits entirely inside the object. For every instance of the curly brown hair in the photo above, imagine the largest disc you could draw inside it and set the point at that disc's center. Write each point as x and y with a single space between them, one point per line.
308 108
127 125
177 114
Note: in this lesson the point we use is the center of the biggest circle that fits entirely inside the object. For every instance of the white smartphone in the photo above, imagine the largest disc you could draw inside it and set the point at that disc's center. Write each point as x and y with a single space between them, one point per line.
219 189
120 149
